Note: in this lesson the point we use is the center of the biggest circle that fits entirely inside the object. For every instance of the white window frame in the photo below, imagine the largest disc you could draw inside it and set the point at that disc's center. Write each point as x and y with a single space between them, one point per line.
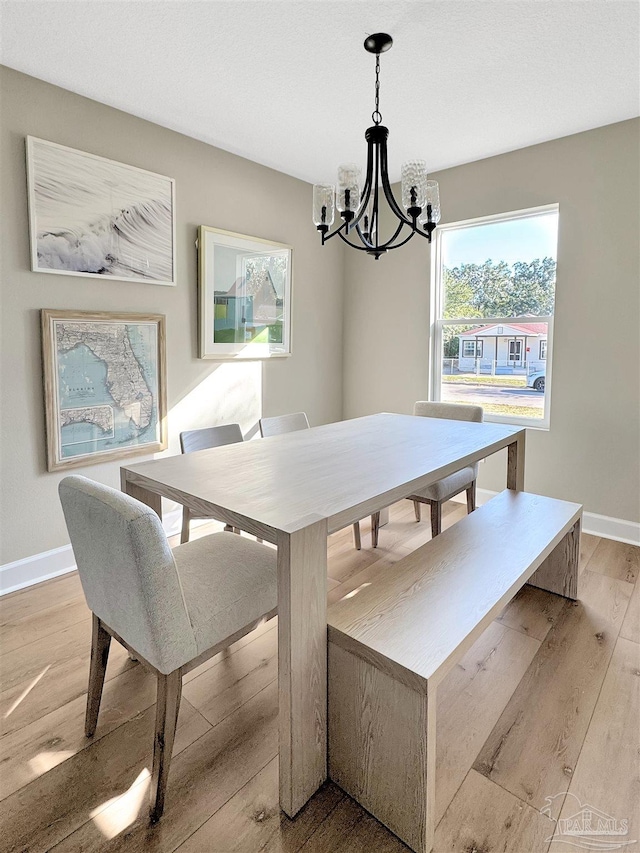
475 345
438 322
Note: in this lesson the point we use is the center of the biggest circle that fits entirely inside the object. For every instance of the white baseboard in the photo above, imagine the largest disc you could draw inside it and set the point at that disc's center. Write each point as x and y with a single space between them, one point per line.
612 528
59 561
605 526
40 567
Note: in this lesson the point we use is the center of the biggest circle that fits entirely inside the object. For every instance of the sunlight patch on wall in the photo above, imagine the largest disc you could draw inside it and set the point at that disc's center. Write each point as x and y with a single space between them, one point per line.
231 393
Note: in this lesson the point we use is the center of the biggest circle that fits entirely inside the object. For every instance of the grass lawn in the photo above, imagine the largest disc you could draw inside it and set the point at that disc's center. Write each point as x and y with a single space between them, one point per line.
501 381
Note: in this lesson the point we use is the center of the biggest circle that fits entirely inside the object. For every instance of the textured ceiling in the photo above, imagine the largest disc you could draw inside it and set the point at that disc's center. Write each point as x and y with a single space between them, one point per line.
288 84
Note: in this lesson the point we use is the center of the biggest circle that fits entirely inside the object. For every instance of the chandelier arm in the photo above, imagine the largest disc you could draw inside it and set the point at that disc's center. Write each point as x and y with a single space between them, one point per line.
362 208
376 194
365 242
366 192
386 186
341 227
354 245
396 233
401 243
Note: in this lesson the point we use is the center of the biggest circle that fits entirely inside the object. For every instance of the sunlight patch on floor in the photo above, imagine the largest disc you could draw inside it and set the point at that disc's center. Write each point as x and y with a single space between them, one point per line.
47 760
116 814
26 692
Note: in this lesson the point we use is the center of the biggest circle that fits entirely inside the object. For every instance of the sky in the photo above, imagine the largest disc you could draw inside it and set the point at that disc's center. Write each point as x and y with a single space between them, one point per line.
510 241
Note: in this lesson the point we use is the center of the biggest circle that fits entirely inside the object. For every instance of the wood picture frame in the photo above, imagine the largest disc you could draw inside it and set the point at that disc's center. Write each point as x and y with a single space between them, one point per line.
97 218
244 296
104 385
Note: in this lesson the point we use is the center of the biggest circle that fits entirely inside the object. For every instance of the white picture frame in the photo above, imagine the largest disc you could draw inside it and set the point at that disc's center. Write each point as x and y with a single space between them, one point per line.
98 218
244 296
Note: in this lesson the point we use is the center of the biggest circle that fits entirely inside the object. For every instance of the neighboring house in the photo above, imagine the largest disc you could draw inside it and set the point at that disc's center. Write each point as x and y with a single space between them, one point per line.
502 348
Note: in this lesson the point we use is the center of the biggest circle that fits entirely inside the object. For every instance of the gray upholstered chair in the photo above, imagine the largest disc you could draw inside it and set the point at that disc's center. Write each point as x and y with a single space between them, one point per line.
171 609
465 479
281 424
202 439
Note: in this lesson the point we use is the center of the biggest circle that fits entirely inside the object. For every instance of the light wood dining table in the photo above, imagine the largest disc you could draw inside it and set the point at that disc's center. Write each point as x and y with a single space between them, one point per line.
294 490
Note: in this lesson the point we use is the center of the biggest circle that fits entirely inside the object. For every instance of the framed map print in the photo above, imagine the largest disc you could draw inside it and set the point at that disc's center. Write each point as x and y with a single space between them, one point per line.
90 216
104 386
244 296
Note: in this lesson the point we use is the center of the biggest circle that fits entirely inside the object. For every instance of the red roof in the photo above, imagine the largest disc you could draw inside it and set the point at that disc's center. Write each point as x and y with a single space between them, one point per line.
524 328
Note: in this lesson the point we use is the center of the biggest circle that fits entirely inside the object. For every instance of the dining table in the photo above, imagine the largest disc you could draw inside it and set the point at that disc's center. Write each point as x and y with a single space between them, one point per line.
294 490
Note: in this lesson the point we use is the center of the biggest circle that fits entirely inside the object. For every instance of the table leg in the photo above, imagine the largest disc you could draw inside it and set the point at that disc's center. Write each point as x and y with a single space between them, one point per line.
302 663
151 499
515 463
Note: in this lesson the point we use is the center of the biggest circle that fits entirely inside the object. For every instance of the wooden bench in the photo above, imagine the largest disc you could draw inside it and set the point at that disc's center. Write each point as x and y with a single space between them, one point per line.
392 642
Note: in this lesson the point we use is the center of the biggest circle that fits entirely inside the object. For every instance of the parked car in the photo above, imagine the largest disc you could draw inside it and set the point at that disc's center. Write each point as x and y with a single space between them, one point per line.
536 379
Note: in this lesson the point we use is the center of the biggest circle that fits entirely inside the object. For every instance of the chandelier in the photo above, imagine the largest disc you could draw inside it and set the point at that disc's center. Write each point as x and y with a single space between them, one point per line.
358 204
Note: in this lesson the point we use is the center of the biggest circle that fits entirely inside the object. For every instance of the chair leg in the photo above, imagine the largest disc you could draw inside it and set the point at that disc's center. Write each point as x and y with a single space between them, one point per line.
184 533
417 510
471 497
167 708
436 518
356 536
100 643
375 529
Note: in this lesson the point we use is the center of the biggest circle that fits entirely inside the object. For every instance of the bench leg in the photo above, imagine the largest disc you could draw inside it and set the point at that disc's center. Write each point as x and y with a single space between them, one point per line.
559 572
436 518
382 746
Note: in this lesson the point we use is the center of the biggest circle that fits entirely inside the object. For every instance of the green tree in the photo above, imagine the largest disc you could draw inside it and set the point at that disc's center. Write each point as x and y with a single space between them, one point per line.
498 290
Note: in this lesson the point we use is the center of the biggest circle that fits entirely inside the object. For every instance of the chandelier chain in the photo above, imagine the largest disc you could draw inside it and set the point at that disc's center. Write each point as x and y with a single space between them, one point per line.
376 115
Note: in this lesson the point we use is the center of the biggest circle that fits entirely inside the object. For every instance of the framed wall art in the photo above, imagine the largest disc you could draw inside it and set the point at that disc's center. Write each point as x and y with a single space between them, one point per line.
244 296
94 217
104 385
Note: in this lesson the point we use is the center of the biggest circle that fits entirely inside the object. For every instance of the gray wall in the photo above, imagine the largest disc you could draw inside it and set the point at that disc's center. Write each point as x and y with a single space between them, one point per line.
591 453
212 188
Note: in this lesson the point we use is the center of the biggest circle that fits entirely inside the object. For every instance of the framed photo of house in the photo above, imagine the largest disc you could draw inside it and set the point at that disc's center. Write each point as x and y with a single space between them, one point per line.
104 386
97 218
244 296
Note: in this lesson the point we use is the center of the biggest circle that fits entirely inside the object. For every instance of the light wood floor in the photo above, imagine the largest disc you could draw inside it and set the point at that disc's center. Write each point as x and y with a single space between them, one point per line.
546 702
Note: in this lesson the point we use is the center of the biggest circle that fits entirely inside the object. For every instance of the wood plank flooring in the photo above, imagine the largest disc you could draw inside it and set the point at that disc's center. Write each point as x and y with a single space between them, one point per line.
538 719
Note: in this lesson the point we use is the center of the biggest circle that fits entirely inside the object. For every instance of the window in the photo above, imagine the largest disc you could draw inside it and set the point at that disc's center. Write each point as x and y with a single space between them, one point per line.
472 349
493 305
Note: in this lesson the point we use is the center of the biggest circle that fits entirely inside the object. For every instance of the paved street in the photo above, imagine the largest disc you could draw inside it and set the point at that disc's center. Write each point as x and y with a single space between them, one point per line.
485 394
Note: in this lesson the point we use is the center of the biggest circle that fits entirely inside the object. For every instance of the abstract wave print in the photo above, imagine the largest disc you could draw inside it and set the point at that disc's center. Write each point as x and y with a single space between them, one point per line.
99 217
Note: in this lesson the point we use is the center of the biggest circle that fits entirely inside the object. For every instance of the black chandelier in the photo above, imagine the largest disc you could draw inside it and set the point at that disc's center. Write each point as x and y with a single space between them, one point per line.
359 211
